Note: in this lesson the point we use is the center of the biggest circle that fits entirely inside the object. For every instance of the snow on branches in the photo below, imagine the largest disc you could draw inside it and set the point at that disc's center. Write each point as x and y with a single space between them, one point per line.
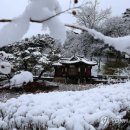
120 43
37 10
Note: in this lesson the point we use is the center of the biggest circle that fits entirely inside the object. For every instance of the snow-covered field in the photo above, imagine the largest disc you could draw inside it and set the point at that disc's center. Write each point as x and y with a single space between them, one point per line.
79 110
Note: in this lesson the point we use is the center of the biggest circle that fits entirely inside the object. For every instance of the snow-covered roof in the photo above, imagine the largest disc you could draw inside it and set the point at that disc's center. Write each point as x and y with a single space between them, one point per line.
77 59
57 64
73 60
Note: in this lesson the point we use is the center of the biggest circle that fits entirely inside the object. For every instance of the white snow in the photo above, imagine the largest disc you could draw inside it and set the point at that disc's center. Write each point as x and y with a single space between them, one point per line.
57 64
57 29
37 53
35 10
14 31
3 56
44 60
5 67
61 128
95 70
77 59
18 80
120 43
66 110
127 56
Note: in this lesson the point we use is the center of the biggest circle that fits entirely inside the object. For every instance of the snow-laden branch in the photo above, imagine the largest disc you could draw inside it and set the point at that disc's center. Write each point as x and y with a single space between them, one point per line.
120 43
38 11
43 20
45 12
50 17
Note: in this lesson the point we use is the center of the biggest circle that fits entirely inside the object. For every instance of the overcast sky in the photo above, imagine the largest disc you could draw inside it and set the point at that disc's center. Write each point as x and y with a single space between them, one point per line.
12 8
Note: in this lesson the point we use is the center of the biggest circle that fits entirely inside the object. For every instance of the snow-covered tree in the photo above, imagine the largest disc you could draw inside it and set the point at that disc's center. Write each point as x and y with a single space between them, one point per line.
41 12
72 44
34 54
120 43
126 15
116 27
90 16
45 12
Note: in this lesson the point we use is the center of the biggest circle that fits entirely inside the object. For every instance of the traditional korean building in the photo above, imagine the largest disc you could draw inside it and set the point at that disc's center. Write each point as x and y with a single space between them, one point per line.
73 70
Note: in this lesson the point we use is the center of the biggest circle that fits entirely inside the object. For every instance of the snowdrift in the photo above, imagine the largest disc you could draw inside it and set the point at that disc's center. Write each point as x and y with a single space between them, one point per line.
66 110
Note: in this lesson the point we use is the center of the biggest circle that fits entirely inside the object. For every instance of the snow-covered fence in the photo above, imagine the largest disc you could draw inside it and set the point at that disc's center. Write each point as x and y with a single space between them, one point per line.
113 78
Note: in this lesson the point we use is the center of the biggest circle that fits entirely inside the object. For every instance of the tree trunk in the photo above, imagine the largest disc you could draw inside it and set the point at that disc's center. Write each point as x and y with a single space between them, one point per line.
40 75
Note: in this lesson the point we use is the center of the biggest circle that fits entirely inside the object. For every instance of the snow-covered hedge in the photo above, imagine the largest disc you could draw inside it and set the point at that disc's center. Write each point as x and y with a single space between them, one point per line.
66 110
20 79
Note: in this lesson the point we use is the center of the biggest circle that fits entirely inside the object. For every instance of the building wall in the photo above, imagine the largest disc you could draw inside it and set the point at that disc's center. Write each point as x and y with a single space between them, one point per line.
73 70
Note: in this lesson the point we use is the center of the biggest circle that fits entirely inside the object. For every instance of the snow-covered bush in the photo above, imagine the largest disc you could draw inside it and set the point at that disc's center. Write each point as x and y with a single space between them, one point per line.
20 79
5 66
85 110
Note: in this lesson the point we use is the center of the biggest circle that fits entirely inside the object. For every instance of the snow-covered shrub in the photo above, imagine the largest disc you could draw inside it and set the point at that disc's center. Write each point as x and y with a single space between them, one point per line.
111 67
20 79
5 66
84 110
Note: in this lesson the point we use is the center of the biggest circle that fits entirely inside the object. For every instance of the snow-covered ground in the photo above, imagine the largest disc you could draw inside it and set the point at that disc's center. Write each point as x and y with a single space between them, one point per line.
7 94
76 87
66 110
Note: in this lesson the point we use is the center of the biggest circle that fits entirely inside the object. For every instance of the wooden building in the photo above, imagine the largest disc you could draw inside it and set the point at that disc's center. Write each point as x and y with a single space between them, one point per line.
73 70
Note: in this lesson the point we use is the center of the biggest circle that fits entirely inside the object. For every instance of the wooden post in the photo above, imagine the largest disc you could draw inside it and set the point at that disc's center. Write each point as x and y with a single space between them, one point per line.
79 71
66 70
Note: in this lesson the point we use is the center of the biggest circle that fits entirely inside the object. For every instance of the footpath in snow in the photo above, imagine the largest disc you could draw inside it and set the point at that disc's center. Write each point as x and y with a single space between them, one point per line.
66 110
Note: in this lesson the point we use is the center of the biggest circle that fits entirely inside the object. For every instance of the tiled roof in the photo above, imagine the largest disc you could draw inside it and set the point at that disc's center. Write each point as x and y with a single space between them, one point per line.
73 60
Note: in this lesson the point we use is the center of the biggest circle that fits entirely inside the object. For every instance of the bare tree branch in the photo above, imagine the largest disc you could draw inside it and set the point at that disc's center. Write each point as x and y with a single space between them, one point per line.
76 27
41 21
5 20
